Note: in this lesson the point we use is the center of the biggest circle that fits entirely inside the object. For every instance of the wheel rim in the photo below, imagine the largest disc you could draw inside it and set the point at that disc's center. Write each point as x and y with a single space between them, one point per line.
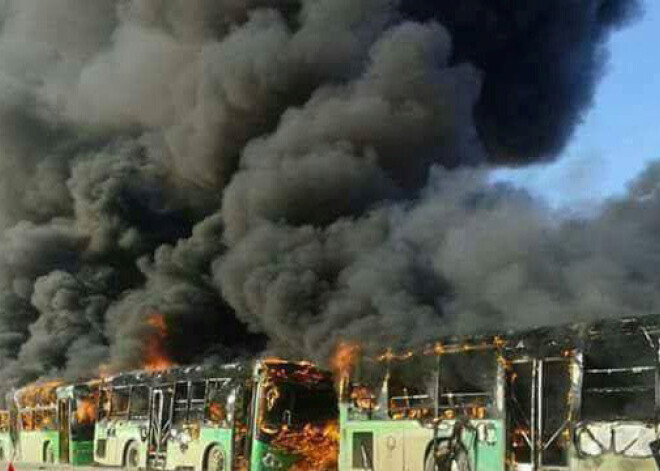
49 454
215 460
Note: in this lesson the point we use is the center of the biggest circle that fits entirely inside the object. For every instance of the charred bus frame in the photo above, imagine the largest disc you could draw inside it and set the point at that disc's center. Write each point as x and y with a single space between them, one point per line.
578 397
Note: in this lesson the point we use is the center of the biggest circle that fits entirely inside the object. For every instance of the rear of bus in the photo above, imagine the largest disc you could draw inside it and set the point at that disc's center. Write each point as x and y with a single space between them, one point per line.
294 424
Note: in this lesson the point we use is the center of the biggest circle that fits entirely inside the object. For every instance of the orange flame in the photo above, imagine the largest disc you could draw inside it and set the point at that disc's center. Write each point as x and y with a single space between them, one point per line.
38 394
344 358
317 446
155 355
217 413
86 411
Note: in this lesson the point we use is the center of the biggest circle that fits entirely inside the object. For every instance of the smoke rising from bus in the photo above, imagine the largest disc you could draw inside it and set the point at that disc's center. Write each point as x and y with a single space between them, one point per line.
285 175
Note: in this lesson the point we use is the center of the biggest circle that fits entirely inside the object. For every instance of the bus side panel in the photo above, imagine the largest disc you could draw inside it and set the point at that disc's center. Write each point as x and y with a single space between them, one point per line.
104 445
82 452
32 444
265 458
7 448
377 443
116 441
613 463
483 456
127 432
192 453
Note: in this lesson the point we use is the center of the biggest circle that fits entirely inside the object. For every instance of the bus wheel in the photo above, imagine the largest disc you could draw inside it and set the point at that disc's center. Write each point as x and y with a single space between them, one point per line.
215 459
2 453
446 460
132 456
49 454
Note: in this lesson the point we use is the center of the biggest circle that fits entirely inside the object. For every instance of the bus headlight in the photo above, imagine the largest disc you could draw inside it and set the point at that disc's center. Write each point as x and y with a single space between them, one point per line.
270 461
487 433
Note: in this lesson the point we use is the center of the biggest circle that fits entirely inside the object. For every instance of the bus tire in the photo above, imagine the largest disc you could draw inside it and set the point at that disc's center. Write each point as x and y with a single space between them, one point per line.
446 460
131 456
49 454
215 459
2 453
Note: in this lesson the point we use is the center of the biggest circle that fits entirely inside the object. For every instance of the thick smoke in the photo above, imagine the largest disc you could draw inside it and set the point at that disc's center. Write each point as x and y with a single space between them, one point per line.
284 174
541 61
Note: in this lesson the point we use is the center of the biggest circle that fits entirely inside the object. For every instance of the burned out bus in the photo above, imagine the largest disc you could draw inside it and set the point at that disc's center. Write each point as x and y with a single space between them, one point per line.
258 416
52 424
579 397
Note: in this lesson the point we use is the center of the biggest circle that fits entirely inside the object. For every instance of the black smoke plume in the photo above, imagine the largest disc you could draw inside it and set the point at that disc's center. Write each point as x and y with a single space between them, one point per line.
285 174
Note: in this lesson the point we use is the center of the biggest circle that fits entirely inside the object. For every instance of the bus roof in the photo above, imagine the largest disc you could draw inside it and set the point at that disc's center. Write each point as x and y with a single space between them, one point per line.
546 341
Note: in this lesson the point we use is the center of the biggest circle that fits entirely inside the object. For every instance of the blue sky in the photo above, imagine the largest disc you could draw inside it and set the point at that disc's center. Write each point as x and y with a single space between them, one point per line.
619 135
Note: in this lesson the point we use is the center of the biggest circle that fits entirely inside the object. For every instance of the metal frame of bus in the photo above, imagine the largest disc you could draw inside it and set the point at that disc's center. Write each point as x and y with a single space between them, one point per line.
548 366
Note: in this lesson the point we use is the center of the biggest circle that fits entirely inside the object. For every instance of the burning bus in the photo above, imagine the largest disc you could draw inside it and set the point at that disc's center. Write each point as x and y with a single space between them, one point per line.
51 424
267 415
579 397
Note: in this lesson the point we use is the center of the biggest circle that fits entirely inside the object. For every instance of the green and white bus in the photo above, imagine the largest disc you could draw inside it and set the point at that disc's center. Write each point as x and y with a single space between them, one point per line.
405 412
49 428
581 397
252 417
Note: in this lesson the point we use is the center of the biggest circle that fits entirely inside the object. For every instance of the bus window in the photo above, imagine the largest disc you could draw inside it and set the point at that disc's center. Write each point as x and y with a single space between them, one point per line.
619 380
216 409
82 420
179 415
4 421
296 405
104 404
44 419
119 402
467 383
27 420
412 388
139 408
367 389
197 398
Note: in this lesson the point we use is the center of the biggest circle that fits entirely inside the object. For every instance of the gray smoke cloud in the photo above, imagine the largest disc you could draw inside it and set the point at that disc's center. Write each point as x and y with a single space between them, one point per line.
285 174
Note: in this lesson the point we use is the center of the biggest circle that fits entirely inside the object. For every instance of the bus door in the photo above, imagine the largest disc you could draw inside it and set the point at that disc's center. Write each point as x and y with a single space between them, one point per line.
243 424
160 426
521 417
539 412
64 421
555 412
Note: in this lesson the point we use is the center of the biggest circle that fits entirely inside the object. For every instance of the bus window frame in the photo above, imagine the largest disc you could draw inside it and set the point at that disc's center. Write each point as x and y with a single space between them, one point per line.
220 384
131 414
112 415
199 408
176 407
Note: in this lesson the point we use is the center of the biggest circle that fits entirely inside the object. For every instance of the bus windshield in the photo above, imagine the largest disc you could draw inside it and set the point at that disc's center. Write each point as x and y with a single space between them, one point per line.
296 405
295 397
